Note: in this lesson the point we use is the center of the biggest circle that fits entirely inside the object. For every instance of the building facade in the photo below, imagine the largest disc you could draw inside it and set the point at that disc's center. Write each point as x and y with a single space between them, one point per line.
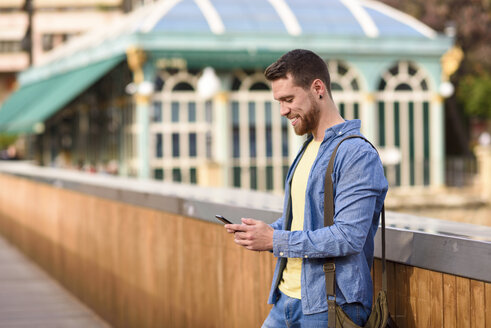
141 106
35 27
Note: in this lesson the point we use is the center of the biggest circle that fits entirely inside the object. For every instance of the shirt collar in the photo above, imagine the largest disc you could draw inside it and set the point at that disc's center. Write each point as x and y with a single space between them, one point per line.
342 128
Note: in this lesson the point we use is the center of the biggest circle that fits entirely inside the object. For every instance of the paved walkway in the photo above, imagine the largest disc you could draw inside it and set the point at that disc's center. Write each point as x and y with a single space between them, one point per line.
30 298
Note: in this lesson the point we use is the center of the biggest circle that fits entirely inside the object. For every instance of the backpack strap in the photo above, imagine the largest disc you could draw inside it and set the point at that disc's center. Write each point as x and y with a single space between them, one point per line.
330 266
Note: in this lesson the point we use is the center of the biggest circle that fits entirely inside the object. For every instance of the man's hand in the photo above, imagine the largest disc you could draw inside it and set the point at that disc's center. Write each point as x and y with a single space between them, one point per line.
252 234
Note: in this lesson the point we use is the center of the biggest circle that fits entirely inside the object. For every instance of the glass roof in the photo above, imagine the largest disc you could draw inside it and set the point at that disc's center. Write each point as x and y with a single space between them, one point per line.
325 17
185 16
296 17
245 25
248 15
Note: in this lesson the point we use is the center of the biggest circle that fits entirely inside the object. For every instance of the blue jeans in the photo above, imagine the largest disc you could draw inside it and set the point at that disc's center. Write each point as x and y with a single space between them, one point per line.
287 312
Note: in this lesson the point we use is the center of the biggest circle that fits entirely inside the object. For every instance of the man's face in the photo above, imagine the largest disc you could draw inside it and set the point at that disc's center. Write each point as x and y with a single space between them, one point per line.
296 104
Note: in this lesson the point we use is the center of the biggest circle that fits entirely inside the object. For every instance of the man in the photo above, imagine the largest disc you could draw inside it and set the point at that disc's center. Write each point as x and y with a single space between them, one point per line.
301 83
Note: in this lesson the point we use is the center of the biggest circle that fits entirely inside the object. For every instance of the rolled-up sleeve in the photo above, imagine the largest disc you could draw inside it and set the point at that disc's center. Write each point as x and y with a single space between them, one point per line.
278 224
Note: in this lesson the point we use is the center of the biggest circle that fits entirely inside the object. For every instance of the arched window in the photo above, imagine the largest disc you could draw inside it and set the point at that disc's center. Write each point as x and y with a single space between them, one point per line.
183 86
404 76
259 135
180 132
403 122
259 86
345 88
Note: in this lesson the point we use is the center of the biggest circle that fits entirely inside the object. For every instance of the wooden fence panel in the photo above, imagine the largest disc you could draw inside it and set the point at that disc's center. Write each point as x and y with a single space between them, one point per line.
487 304
463 302
449 301
477 304
422 297
435 289
412 281
402 296
391 287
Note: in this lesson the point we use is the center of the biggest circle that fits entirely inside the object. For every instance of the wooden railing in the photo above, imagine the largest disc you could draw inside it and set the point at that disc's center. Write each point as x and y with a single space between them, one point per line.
142 267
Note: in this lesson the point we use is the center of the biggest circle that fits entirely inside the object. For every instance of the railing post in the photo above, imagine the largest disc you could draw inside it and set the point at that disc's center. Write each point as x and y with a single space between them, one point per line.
483 154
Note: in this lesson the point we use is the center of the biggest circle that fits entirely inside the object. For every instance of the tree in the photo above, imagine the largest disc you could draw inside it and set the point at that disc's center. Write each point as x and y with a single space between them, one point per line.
472 22
6 140
475 94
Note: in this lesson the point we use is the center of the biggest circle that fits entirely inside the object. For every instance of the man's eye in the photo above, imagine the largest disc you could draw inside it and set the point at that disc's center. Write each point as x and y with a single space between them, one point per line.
289 100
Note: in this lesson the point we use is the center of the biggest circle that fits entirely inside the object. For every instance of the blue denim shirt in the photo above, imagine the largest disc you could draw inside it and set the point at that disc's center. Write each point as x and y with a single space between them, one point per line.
359 192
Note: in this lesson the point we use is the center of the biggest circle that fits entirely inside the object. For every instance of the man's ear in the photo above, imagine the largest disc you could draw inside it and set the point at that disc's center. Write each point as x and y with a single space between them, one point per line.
318 88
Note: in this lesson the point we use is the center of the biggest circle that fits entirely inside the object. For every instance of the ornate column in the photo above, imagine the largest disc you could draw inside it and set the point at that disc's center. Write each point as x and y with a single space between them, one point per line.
368 117
437 142
215 172
450 63
223 137
143 90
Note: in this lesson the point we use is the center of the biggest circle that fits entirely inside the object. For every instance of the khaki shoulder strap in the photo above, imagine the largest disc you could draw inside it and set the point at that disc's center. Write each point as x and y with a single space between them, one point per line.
330 266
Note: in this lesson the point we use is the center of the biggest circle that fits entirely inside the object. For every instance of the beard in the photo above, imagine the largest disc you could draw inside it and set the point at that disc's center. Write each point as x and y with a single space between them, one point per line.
309 121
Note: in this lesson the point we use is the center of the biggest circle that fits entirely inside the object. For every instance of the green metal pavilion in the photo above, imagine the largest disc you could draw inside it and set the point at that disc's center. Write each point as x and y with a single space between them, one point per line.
128 93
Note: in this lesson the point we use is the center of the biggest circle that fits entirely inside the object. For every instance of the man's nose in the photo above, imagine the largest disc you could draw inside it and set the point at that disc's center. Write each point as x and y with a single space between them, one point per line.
284 109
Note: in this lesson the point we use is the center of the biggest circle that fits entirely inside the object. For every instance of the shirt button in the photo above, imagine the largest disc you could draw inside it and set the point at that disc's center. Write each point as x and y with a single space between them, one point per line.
281 253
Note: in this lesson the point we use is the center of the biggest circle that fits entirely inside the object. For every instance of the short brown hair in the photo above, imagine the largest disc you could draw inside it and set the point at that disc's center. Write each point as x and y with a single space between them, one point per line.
304 65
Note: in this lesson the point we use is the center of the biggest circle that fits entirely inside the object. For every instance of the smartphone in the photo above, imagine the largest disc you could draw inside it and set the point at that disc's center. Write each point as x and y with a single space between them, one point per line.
224 220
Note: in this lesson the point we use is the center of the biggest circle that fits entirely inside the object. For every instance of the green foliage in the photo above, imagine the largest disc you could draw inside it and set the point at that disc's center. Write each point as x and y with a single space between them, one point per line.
472 20
6 140
474 93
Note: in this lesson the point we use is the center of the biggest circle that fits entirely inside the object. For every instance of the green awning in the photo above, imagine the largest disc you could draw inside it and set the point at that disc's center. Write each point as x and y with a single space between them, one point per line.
34 103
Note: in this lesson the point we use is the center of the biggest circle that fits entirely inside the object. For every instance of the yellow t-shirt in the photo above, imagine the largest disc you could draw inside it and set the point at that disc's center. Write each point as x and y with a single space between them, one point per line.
290 282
